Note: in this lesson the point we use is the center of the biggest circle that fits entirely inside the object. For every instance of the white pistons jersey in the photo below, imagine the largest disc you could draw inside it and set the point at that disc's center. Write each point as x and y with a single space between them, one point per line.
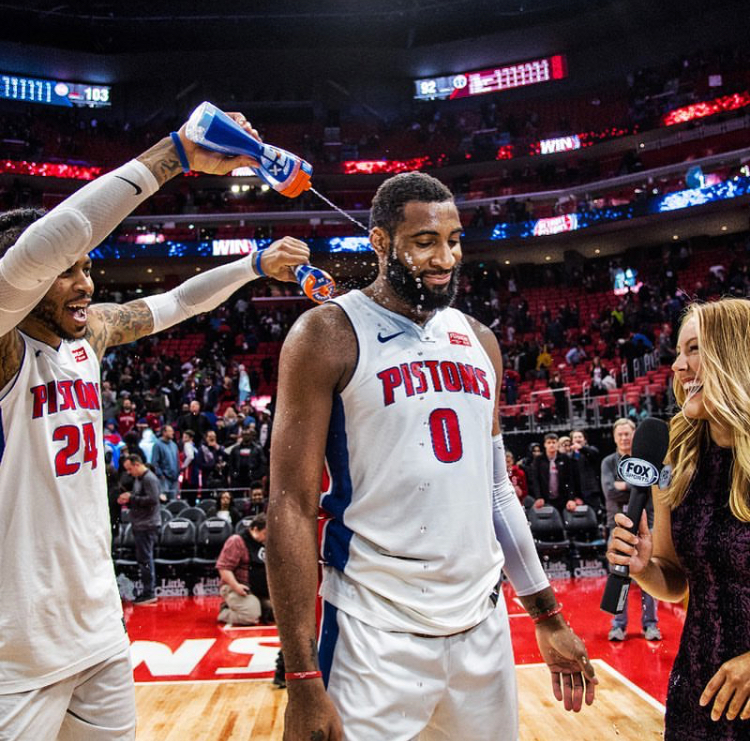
411 546
60 610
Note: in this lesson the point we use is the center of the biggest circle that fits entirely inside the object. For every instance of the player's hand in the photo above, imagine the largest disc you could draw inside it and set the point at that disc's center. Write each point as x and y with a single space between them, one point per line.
573 677
627 549
731 688
310 714
215 163
277 260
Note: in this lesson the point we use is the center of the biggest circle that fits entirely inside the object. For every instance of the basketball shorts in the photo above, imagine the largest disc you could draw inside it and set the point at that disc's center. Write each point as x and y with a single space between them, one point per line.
404 687
97 704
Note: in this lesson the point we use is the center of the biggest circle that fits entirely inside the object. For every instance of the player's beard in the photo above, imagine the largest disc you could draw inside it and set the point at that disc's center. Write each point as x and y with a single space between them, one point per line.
46 313
415 292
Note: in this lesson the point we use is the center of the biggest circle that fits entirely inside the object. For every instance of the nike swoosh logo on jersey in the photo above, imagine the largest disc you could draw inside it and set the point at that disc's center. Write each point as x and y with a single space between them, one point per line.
138 189
388 338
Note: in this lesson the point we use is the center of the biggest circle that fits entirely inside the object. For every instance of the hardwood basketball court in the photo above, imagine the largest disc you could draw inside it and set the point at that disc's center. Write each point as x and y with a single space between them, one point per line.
199 680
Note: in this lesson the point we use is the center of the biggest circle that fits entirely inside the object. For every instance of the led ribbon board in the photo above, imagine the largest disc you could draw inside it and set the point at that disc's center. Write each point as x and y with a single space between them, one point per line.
54 92
507 77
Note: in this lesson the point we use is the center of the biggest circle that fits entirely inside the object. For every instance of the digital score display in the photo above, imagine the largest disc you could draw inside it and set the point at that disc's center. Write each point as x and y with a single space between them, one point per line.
508 77
54 92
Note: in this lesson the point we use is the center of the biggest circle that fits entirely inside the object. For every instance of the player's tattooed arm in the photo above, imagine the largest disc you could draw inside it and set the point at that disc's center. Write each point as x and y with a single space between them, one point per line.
162 160
11 354
118 324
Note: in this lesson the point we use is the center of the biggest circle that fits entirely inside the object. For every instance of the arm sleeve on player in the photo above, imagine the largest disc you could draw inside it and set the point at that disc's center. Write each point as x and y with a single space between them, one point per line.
56 241
522 563
200 293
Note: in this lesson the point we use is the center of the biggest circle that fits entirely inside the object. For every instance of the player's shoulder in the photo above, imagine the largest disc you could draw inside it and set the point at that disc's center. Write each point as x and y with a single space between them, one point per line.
487 337
322 338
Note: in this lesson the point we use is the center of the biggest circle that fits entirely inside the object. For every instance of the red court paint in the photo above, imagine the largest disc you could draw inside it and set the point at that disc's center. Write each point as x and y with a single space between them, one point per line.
178 639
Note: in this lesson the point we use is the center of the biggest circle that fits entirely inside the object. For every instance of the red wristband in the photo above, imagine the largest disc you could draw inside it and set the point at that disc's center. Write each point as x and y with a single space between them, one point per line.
290 676
547 615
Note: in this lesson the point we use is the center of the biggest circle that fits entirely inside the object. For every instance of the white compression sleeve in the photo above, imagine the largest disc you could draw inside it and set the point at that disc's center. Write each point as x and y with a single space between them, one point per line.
522 563
64 235
200 293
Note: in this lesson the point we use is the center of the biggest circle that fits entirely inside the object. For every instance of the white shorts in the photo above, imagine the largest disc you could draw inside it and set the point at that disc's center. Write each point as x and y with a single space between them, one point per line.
403 687
97 704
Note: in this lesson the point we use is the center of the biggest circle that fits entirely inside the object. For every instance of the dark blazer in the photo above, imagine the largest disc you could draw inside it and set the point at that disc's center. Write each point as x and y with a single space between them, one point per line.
539 480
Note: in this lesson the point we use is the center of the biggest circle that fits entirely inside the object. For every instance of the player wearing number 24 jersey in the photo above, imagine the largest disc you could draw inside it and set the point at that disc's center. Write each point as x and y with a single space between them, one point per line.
63 644
390 396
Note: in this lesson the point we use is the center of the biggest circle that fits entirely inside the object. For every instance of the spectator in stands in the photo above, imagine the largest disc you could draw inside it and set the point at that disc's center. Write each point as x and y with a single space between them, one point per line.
551 477
258 498
242 567
585 459
609 382
145 520
196 421
667 352
243 384
109 401
563 444
543 363
561 400
127 418
517 477
575 355
247 461
616 496
213 463
165 458
511 380
189 468
226 509
532 453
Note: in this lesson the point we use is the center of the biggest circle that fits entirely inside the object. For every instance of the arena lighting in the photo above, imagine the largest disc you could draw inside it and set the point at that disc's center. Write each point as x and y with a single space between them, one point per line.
555 225
50 170
707 108
349 244
559 144
221 247
496 79
370 167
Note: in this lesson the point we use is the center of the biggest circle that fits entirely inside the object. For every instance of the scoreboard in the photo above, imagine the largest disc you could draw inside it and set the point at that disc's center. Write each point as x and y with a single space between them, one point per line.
478 82
54 92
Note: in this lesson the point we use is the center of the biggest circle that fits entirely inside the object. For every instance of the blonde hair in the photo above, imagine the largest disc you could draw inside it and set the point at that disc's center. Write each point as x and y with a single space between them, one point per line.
724 350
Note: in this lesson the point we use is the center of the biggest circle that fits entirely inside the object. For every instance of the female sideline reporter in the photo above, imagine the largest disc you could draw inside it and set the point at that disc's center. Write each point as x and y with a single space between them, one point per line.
701 537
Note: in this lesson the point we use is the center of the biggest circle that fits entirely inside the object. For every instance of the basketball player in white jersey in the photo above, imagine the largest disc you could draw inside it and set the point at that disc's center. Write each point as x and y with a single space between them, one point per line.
398 394
65 669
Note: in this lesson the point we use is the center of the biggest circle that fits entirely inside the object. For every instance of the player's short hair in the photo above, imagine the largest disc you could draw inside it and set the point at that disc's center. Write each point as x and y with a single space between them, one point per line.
14 223
387 208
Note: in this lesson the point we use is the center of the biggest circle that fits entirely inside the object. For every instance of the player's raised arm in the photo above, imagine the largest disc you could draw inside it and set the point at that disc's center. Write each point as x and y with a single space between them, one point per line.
36 249
316 359
117 324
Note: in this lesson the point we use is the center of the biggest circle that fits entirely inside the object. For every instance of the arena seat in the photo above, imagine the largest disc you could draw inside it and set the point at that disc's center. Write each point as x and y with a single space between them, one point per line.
548 532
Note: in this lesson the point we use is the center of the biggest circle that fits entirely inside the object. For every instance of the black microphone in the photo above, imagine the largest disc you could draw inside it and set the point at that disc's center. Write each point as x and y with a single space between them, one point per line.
641 469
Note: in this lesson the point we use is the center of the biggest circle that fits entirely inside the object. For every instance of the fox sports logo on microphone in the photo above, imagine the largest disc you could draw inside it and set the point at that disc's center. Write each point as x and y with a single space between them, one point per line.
637 472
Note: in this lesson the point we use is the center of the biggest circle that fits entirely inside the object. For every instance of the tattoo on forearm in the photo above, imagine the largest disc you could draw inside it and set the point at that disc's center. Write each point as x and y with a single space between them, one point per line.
120 324
162 160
